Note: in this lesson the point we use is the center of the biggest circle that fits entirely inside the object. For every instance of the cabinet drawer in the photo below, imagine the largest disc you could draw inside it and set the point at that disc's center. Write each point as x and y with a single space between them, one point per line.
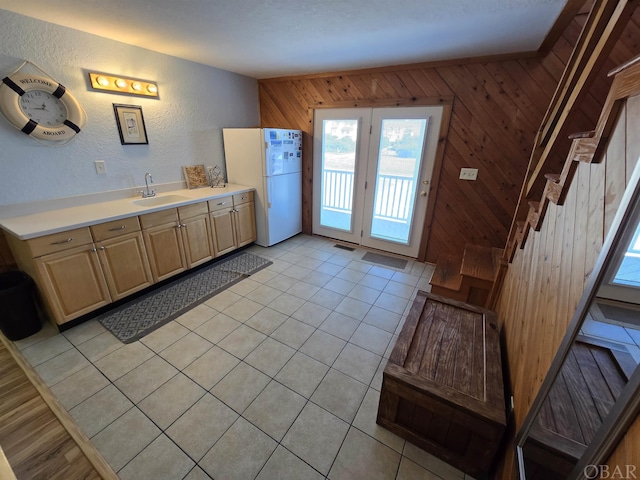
58 242
159 218
103 231
220 203
189 211
240 198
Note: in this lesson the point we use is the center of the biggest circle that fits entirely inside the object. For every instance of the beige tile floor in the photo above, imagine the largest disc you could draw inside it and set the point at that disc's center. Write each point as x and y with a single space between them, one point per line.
277 377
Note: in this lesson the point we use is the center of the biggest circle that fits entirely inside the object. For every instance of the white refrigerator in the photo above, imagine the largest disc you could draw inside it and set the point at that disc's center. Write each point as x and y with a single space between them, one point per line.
269 160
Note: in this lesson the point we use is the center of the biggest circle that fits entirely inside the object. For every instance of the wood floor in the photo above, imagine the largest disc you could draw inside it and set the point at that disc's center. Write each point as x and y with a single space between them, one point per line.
35 441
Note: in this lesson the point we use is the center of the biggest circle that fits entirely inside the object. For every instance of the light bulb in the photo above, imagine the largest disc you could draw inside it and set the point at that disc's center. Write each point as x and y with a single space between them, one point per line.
121 83
136 86
152 88
104 81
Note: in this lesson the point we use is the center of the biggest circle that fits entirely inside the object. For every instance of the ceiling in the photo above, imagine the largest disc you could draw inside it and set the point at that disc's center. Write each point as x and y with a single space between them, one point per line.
271 38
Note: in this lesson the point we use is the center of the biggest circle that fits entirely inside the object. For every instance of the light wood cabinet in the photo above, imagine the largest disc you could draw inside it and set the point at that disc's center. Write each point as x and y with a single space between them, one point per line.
224 238
245 220
58 242
79 279
233 222
196 233
80 270
222 227
72 282
163 240
123 257
125 265
66 269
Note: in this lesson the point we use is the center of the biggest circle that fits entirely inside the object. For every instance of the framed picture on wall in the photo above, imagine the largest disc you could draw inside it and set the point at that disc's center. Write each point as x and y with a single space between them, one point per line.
130 124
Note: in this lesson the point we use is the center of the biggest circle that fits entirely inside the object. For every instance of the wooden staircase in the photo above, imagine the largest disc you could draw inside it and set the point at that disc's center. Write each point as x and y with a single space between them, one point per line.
586 147
477 277
601 31
469 279
603 28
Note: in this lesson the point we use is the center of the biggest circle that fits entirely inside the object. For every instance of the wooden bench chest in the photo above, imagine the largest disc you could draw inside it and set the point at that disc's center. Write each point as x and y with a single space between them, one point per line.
442 387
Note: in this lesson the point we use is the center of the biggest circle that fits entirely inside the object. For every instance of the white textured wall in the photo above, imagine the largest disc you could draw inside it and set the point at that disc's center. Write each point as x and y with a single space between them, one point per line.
183 126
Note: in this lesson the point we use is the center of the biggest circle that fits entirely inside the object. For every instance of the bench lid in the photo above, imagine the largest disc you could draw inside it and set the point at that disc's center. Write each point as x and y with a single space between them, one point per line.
451 348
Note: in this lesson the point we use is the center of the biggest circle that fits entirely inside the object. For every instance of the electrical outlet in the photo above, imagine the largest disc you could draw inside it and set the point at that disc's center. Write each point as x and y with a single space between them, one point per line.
101 169
468 173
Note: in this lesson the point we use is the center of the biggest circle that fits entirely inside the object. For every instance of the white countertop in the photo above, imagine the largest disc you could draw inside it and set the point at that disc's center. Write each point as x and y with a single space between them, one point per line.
38 224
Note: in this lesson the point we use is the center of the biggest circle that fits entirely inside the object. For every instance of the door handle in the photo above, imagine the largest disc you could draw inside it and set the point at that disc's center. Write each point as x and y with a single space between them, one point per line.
269 194
423 194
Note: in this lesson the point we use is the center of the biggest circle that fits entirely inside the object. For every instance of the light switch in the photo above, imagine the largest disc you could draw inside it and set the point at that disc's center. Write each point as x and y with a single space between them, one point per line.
101 169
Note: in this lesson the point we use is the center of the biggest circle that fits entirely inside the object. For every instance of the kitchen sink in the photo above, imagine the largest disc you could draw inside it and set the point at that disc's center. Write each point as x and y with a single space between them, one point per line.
155 201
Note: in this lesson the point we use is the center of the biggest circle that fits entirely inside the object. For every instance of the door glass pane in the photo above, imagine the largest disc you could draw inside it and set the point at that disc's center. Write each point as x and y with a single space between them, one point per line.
339 139
399 159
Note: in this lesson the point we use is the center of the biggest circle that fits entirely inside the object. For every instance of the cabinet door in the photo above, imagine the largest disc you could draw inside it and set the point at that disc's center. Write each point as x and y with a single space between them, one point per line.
196 234
72 282
245 224
165 250
222 226
125 264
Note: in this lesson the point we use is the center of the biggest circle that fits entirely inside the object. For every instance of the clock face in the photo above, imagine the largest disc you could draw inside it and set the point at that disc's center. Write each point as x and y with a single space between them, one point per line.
43 108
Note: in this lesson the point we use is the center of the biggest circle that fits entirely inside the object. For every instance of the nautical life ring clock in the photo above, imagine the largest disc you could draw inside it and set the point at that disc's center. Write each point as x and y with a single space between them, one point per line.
40 107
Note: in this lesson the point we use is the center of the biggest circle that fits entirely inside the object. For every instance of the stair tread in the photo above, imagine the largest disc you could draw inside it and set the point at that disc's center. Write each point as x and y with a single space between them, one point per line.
577 135
478 262
447 273
552 177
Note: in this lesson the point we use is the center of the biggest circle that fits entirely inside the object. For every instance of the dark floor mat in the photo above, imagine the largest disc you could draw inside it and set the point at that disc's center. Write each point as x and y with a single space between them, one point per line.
137 318
344 247
385 260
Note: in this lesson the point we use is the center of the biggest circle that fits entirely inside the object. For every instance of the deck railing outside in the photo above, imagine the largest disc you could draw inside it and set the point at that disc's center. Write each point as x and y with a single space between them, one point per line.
393 202
337 192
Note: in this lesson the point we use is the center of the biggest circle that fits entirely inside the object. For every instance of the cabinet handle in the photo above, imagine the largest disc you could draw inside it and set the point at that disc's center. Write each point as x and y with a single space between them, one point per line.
100 248
70 239
121 227
222 203
243 198
183 224
93 250
178 226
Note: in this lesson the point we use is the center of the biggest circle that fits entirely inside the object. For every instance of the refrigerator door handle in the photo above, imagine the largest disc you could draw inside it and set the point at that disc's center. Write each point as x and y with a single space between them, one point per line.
269 193
267 164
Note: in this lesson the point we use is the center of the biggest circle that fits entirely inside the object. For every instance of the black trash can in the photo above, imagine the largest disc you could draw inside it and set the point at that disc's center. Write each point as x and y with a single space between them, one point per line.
18 314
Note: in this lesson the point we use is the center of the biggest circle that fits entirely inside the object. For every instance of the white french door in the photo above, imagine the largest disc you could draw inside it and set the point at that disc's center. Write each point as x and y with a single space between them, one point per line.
372 173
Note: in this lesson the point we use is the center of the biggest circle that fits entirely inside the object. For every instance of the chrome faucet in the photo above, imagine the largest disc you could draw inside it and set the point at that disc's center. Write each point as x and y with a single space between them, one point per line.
148 193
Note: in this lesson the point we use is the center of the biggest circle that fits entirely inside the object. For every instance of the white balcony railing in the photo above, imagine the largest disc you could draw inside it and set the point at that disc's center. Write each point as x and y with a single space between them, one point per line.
394 199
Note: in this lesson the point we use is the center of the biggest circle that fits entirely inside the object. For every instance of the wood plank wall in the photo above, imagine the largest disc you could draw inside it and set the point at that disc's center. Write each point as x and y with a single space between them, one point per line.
547 277
498 107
